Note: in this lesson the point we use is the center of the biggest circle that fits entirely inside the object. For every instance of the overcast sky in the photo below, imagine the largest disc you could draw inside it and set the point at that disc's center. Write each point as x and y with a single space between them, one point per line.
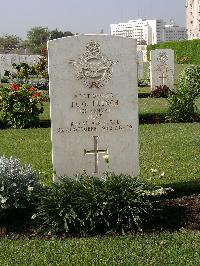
83 16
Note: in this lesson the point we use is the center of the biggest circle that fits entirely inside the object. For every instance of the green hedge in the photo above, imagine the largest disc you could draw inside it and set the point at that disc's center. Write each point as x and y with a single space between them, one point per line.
186 52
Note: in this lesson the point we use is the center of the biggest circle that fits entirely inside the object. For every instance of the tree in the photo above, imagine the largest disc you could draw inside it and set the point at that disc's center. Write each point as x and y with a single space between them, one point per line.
68 33
55 34
37 38
10 42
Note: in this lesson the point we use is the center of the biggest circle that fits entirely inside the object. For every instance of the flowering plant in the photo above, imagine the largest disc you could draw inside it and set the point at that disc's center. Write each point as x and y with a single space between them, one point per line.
19 184
21 105
41 84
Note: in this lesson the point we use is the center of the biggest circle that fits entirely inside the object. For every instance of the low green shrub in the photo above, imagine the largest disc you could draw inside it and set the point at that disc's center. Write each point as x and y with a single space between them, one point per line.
4 79
143 83
161 91
182 105
23 70
19 185
21 106
89 205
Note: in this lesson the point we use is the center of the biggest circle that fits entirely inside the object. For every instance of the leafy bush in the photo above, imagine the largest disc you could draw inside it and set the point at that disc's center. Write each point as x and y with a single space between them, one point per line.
19 186
21 106
42 84
23 70
89 205
41 68
160 91
5 79
182 105
143 83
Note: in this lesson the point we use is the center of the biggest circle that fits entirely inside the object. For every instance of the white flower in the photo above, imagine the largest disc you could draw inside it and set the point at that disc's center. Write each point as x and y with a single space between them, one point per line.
2 199
33 216
30 189
154 170
162 174
106 157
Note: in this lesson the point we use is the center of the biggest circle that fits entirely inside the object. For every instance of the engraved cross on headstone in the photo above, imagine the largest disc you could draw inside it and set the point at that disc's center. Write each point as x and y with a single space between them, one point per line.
163 77
96 153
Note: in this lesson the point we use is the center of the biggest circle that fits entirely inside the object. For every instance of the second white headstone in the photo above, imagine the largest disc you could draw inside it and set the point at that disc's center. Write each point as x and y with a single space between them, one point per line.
162 68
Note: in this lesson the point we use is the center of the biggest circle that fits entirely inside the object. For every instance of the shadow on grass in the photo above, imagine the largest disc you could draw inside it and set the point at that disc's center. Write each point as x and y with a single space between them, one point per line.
184 188
152 118
158 118
143 119
144 95
179 209
45 123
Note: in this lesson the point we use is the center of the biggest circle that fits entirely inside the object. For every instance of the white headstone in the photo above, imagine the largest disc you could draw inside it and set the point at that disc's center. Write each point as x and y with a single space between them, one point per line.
94 105
7 61
33 59
140 65
162 68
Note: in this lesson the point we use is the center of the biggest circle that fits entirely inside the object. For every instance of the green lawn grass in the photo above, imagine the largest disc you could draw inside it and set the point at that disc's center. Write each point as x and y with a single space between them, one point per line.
170 148
149 106
146 106
179 249
153 106
173 149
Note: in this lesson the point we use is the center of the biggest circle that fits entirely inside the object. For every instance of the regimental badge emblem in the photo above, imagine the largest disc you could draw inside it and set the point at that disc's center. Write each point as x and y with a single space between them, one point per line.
93 68
162 57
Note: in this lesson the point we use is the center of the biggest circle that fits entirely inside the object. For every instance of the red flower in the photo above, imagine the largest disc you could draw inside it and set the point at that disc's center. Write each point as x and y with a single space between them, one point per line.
37 94
14 87
31 88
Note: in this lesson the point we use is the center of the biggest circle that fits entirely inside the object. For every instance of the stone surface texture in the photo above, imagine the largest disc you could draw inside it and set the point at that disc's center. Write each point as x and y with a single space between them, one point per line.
94 105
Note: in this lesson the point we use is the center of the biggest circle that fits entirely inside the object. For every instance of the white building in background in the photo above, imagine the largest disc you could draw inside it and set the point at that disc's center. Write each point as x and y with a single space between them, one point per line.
193 19
149 31
173 32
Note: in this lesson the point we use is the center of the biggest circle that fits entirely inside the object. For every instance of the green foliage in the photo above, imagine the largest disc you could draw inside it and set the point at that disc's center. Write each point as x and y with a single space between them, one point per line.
160 91
21 106
5 79
37 38
186 52
89 205
41 68
23 70
19 184
55 34
26 72
182 105
10 42
143 83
